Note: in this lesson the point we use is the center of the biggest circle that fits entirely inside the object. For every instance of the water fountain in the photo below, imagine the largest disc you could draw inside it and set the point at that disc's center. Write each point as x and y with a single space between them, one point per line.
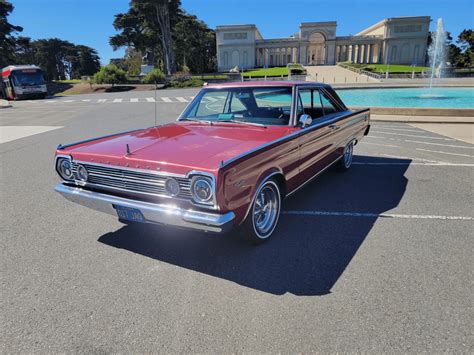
437 55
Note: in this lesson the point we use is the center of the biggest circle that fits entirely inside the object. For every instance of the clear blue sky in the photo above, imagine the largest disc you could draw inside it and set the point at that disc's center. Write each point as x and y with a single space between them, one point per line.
89 22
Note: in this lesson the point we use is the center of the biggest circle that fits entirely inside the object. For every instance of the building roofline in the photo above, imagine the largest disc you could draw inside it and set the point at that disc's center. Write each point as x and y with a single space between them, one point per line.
391 19
233 27
323 23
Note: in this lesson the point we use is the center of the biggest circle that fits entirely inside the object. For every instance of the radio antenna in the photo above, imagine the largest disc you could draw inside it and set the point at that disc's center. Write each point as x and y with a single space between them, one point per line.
155 101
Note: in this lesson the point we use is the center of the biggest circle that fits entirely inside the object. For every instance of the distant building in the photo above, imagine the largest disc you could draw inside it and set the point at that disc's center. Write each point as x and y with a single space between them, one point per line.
398 40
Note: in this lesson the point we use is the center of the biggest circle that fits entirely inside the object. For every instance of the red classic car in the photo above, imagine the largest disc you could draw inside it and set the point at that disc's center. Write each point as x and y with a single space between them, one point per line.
234 153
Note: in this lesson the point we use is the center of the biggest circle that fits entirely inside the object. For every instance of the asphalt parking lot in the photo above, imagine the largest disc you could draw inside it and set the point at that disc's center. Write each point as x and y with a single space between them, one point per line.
378 259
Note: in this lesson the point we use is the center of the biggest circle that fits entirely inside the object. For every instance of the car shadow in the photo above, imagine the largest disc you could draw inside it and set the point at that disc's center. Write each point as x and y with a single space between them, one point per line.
307 254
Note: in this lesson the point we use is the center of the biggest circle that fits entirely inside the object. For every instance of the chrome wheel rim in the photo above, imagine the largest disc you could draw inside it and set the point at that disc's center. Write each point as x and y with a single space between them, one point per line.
265 211
348 155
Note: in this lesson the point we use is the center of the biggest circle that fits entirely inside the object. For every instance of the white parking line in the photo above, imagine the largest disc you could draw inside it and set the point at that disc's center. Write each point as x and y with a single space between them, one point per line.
415 136
181 99
100 101
166 99
398 129
374 215
86 100
412 163
380 145
404 157
134 100
68 100
11 133
411 141
443 145
438 151
50 101
150 99
117 100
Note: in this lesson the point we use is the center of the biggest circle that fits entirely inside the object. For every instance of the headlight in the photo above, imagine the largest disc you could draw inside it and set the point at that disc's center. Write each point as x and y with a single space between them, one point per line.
202 190
82 173
172 187
64 168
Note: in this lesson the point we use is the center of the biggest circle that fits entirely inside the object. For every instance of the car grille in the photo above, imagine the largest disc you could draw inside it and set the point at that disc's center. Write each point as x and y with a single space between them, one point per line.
133 181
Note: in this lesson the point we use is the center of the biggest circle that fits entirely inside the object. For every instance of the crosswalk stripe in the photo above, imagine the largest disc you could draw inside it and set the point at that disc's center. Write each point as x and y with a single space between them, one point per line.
86 100
69 100
101 100
134 100
181 99
150 99
166 99
117 100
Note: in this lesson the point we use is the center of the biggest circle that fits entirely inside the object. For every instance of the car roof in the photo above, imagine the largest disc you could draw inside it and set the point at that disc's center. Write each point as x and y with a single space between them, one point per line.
261 83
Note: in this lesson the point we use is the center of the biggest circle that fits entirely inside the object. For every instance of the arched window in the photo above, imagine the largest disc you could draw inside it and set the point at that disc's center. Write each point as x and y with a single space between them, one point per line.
246 59
393 54
226 59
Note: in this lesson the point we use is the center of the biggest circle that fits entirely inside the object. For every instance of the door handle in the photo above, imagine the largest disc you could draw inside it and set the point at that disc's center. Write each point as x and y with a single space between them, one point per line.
333 126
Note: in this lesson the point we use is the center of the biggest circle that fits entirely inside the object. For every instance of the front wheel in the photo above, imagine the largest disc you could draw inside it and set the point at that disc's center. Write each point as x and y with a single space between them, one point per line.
264 213
346 161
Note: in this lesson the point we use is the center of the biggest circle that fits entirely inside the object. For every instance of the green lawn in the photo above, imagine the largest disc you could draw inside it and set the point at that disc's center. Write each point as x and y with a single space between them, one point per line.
383 68
260 73
71 81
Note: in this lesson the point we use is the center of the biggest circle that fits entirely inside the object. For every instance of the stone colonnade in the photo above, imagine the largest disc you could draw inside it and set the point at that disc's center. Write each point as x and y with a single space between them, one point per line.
364 53
276 56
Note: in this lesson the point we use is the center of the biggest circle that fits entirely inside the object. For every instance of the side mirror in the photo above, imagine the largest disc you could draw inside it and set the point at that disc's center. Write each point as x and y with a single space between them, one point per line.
305 120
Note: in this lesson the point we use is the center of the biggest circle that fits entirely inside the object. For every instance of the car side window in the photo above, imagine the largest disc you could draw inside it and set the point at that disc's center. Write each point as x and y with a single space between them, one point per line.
328 105
311 103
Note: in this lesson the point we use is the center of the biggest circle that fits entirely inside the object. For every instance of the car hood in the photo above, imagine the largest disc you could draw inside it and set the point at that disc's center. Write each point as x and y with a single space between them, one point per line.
178 147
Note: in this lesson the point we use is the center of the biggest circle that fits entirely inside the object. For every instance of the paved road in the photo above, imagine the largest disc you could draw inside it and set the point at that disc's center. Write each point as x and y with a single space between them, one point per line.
378 259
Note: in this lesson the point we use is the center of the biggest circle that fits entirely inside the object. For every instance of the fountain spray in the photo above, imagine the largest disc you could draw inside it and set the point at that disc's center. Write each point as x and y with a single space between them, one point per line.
437 51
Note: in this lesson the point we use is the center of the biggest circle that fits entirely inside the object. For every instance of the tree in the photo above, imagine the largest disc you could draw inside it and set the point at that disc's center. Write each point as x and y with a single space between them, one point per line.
25 51
146 21
7 30
145 28
110 74
195 44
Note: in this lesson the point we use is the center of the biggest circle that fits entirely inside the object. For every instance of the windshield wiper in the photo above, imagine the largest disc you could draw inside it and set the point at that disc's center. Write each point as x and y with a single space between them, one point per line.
244 122
194 120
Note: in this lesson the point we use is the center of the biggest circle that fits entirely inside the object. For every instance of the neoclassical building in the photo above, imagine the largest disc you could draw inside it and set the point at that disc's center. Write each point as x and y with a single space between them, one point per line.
398 40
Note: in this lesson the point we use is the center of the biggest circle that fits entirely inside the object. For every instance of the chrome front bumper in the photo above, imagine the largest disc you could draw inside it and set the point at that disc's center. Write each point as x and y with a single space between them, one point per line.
153 213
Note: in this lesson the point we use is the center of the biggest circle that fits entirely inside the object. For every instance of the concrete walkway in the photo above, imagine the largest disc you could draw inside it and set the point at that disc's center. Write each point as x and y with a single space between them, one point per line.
334 74
462 132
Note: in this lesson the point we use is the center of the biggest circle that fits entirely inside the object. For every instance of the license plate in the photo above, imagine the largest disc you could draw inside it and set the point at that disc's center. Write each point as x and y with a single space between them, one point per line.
129 214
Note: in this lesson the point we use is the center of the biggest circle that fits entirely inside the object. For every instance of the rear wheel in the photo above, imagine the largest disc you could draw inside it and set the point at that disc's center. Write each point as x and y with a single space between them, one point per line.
346 161
264 213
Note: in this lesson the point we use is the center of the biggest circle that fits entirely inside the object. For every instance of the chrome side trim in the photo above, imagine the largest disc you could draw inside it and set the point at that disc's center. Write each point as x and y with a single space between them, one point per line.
153 213
63 146
313 177
294 135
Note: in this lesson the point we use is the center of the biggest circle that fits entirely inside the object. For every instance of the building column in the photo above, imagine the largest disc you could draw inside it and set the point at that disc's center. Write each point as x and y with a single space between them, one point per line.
371 54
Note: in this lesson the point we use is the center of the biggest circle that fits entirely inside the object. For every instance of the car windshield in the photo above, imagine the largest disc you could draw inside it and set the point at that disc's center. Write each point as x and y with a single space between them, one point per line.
28 79
251 105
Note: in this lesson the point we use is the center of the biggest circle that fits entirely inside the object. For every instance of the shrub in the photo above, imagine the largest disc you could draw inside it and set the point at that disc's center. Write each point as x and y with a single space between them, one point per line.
156 76
191 83
110 74
185 70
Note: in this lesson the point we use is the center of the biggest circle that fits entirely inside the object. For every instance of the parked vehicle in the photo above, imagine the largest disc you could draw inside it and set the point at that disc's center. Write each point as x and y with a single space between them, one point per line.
22 82
234 153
